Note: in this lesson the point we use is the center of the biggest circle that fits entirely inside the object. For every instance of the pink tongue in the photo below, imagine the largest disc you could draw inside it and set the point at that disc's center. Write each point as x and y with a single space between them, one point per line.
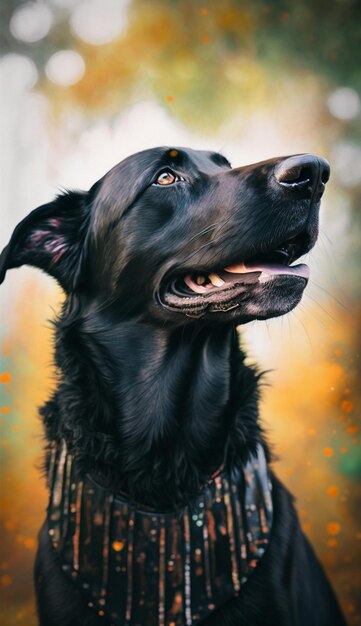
271 269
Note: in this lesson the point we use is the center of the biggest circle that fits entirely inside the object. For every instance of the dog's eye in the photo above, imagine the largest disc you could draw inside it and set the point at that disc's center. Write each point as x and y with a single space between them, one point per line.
167 178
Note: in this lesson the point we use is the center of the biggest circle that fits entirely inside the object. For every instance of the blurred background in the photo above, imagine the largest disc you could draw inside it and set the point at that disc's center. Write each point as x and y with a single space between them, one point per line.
84 84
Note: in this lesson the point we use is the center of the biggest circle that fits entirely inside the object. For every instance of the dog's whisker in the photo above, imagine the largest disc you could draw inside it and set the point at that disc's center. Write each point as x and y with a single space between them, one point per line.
204 231
319 305
304 328
310 311
329 241
329 294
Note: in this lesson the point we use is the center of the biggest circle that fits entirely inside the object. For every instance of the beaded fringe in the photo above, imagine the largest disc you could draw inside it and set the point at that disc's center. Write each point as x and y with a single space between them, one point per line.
142 568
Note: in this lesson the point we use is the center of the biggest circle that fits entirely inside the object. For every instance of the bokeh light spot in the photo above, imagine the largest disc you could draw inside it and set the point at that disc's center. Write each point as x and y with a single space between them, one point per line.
5 377
352 429
333 491
31 22
117 546
328 451
170 98
344 103
29 542
99 21
19 70
5 580
333 528
347 406
65 68
5 409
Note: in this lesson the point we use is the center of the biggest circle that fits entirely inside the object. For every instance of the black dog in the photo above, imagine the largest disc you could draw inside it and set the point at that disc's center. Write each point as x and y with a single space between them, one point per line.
163 510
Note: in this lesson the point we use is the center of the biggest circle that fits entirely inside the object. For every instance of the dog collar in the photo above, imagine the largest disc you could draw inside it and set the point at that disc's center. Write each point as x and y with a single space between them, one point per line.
138 567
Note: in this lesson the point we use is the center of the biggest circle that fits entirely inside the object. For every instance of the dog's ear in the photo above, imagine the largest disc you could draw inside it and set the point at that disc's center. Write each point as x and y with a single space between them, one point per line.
52 238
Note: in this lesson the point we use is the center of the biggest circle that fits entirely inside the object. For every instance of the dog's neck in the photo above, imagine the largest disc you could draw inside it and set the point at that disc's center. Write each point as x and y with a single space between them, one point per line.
155 411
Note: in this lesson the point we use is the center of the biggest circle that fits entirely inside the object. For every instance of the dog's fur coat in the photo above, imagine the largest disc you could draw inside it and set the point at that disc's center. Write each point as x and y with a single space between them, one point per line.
153 394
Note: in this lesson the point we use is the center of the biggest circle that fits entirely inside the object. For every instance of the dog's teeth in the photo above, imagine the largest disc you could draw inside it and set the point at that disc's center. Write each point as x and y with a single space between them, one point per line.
236 269
200 280
216 280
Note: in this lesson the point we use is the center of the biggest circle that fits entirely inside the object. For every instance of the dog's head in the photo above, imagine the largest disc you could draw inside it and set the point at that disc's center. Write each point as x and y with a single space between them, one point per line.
177 234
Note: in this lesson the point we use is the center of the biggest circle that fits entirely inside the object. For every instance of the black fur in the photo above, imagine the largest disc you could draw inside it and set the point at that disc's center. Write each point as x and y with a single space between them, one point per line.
153 394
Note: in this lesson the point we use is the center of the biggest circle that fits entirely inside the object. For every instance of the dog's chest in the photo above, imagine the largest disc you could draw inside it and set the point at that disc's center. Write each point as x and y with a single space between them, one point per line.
143 568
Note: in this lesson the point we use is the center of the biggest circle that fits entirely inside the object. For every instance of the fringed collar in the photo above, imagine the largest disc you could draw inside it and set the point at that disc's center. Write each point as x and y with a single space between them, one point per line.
143 568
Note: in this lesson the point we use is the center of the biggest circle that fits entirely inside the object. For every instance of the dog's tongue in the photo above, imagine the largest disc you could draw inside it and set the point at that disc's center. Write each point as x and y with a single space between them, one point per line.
301 270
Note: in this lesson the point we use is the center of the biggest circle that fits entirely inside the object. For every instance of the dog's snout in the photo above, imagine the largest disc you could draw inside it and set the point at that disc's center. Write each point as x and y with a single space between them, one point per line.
306 172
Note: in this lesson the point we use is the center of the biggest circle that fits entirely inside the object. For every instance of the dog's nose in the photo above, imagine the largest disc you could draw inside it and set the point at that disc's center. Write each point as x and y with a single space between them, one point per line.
306 172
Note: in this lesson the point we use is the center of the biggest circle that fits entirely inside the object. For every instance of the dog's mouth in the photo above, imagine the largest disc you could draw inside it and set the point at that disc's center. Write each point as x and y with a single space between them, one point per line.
221 290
